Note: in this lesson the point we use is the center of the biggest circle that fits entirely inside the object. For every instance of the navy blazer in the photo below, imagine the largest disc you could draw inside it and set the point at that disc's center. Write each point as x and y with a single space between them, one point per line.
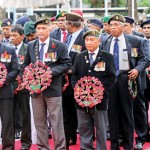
56 34
12 67
108 77
58 68
137 63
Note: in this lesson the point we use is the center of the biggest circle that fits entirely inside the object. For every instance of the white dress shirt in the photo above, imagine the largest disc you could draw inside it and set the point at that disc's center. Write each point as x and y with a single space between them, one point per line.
45 46
18 48
123 54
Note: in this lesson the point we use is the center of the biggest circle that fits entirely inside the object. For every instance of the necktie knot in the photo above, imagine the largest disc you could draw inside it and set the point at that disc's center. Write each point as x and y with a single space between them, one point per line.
116 40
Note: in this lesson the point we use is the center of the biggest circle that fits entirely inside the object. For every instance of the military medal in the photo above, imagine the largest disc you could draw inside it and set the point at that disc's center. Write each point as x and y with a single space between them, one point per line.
134 52
100 66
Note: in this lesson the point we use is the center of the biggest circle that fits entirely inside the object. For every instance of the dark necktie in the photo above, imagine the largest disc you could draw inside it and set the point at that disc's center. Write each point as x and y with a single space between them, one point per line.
68 40
116 56
64 36
91 58
41 51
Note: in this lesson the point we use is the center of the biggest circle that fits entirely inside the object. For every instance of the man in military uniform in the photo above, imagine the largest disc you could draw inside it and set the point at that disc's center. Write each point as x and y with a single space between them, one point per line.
22 97
50 100
129 63
8 58
106 26
95 24
6 25
145 25
100 64
140 117
75 44
60 33
129 27
29 31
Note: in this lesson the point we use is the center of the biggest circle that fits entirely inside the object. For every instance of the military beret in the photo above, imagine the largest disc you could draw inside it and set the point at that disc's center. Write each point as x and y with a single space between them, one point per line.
73 17
61 14
145 22
105 19
53 19
95 22
117 17
92 32
129 19
6 22
79 12
29 28
41 21
22 20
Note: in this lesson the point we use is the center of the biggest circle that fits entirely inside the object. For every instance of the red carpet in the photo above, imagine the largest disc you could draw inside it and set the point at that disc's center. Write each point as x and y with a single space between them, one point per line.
74 147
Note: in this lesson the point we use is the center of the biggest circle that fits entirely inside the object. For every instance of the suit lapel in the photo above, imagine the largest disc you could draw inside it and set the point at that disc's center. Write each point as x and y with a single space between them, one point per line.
98 57
107 46
128 45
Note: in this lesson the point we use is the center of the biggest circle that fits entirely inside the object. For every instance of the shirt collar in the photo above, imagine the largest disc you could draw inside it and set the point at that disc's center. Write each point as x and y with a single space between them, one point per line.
46 41
75 34
119 38
19 46
95 52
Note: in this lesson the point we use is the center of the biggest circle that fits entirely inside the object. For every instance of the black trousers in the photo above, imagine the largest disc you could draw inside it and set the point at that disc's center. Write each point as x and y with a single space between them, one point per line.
6 114
121 102
70 117
22 99
140 117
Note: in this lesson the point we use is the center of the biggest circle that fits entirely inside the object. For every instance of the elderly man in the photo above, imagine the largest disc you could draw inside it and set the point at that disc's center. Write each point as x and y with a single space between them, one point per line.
10 62
129 63
94 24
51 98
6 25
85 65
146 31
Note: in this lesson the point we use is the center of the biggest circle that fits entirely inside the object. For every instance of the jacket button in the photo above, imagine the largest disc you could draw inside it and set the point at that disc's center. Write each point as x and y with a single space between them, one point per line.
89 70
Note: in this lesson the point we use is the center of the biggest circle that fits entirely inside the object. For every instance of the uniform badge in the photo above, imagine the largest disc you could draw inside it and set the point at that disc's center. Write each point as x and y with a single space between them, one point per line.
117 17
100 66
134 52
46 21
63 14
8 23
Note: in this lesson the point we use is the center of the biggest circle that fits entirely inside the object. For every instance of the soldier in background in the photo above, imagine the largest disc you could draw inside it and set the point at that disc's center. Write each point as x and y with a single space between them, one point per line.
6 25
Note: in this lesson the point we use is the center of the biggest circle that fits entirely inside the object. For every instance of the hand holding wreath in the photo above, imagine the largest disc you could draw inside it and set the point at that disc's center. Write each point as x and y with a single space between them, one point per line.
37 77
3 74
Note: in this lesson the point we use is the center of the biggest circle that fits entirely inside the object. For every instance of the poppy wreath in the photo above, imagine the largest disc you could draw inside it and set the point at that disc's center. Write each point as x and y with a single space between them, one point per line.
132 86
37 77
3 74
88 91
67 82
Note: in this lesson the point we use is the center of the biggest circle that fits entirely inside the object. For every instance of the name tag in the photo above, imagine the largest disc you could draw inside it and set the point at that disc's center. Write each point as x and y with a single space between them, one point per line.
125 55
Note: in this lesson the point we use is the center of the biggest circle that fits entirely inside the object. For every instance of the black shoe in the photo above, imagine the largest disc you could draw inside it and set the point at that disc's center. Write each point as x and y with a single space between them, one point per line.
24 148
138 146
18 135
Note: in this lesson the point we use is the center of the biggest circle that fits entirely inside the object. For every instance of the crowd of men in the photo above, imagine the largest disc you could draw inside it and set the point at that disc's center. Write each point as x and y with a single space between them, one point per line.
115 49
